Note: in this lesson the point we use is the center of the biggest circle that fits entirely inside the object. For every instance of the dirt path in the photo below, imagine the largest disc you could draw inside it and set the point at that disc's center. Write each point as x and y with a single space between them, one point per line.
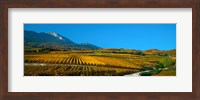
137 73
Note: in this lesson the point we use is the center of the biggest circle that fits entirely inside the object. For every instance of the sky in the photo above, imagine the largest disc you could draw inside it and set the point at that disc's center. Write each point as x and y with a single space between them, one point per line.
127 36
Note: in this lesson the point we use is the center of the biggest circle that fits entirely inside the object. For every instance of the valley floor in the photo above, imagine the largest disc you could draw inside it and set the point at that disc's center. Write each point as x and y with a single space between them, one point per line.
96 63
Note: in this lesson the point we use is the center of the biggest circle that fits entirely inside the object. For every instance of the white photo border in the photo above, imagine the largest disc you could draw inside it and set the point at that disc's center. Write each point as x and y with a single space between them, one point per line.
182 82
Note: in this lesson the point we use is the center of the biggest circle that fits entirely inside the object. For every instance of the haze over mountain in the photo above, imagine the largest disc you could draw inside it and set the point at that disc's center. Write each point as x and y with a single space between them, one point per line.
52 40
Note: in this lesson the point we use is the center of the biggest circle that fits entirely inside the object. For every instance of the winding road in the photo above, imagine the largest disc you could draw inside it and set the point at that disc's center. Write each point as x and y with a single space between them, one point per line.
137 73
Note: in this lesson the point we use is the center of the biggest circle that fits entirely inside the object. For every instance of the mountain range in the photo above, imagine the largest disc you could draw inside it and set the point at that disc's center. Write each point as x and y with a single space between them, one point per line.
52 40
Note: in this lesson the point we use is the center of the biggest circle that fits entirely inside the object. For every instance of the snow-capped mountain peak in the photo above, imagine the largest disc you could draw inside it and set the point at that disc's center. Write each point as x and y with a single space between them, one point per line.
55 35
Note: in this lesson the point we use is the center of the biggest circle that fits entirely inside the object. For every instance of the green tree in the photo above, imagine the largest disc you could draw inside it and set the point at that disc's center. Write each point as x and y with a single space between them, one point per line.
167 62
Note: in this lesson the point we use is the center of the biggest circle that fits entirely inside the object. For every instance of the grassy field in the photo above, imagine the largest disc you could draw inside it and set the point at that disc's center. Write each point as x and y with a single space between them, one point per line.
169 72
103 62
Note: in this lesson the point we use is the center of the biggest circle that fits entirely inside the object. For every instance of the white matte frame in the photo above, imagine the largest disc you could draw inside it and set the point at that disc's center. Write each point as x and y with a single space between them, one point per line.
182 82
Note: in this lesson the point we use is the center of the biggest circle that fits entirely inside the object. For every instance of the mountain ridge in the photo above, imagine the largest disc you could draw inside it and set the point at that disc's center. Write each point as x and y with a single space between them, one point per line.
52 40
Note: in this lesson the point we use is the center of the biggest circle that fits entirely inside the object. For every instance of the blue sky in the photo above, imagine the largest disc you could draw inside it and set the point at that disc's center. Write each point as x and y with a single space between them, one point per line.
127 36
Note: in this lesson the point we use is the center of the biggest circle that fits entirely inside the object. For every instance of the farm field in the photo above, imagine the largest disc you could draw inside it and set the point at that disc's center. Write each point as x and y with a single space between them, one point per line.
102 62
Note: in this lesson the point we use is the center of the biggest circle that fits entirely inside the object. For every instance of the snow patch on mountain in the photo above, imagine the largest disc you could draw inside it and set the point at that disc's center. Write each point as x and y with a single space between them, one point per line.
55 35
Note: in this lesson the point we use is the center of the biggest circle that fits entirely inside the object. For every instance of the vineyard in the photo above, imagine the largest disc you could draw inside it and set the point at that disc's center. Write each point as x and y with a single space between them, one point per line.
75 71
90 63
79 60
